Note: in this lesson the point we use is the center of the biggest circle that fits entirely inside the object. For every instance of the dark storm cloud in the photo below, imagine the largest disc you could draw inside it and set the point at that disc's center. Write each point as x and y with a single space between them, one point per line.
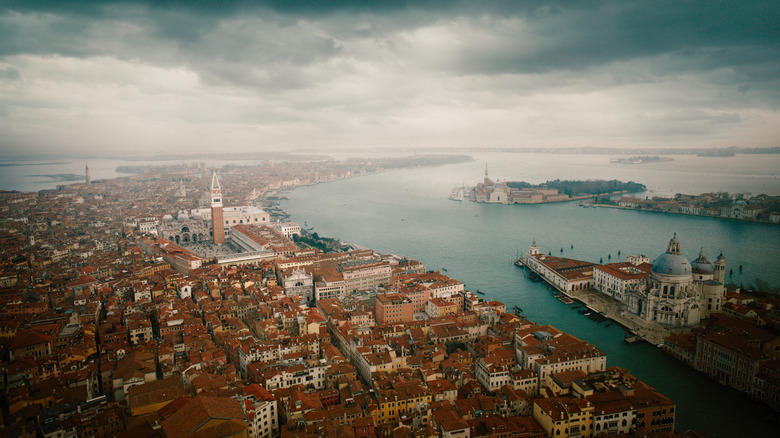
546 35
715 32
341 71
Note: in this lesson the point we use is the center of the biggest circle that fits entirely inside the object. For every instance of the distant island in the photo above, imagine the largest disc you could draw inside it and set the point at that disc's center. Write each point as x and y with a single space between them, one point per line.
595 150
759 208
640 160
521 192
717 153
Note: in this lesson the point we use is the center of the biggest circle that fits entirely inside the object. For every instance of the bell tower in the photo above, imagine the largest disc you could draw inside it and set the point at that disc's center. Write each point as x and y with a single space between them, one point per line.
720 269
217 225
87 175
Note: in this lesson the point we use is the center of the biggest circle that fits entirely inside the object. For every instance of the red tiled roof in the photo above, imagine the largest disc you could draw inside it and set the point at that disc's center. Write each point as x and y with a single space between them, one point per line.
187 421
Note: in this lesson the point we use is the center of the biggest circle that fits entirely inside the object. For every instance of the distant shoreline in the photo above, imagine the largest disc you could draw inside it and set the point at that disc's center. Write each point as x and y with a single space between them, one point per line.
680 213
52 163
312 154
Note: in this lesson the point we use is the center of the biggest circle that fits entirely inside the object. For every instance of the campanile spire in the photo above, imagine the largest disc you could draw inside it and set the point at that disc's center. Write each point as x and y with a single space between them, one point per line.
217 218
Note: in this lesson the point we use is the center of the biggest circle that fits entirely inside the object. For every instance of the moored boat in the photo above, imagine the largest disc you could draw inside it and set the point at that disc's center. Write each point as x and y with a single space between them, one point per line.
564 299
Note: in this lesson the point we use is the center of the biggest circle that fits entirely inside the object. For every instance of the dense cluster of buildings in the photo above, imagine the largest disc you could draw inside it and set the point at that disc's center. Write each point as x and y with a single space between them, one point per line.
110 330
732 349
763 208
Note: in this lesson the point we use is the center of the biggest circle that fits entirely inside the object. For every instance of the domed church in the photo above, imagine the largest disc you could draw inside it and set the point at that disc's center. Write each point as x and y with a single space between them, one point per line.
679 293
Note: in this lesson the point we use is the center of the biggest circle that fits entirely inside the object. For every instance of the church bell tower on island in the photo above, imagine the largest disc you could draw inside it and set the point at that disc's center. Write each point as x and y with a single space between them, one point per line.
217 225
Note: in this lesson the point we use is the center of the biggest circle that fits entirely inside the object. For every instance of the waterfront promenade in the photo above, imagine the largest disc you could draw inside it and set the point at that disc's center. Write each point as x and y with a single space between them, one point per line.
612 309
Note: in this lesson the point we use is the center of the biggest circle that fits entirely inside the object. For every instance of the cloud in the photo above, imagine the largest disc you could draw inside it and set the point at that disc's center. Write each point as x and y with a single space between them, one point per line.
9 74
280 74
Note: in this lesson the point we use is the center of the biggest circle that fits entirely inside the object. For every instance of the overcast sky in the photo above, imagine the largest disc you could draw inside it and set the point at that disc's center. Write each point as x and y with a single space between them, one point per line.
199 76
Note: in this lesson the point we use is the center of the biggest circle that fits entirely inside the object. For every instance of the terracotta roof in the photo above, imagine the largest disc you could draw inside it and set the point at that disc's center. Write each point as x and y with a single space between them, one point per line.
625 270
188 420
155 392
28 338
227 428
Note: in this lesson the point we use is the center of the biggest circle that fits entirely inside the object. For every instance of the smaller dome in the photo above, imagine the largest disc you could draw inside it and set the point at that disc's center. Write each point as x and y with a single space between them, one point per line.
183 216
702 268
167 218
701 265
197 216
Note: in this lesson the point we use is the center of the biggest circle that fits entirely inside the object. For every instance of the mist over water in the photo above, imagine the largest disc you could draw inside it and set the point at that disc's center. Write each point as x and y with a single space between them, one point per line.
34 175
407 212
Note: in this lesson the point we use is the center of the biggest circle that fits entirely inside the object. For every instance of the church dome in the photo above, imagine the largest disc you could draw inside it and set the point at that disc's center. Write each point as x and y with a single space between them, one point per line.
183 216
672 262
197 216
167 218
701 265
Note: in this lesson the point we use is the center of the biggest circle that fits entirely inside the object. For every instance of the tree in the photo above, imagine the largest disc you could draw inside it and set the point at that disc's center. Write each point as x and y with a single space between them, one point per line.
453 346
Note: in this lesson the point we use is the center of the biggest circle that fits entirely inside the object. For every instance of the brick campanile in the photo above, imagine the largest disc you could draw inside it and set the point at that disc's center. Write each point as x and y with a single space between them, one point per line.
217 221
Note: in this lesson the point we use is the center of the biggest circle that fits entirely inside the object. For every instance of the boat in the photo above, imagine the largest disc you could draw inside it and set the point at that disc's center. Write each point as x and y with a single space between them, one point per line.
518 308
564 299
480 292
609 323
519 263
630 338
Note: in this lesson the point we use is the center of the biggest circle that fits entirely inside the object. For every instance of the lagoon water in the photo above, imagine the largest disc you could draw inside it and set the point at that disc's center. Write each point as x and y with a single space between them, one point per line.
407 212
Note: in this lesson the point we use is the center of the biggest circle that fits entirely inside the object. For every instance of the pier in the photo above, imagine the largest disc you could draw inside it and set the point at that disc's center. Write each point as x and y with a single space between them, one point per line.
612 309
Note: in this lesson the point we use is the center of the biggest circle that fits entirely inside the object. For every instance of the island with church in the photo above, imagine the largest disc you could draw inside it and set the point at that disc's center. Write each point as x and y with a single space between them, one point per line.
521 192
